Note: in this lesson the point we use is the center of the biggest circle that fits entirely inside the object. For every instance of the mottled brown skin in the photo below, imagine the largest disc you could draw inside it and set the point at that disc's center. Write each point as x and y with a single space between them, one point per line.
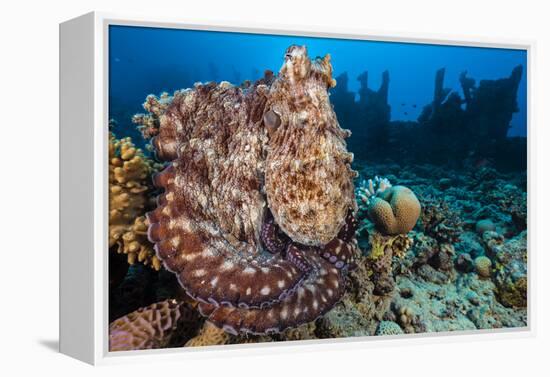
239 156
309 182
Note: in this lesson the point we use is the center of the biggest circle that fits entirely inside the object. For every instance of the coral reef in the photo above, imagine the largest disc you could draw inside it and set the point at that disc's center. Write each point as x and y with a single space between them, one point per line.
129 198
435 280
264 162
421 282
258 235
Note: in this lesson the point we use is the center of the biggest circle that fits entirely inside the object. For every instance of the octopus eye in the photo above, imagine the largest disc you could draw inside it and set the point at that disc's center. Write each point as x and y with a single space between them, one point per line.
272 120
288 56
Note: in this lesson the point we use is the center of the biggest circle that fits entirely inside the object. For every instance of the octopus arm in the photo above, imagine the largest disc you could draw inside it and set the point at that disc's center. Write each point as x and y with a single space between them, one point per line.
319 292
212 266
339 253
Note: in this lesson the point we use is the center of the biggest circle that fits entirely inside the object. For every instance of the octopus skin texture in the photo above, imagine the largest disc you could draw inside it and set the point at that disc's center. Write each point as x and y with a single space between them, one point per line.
257 214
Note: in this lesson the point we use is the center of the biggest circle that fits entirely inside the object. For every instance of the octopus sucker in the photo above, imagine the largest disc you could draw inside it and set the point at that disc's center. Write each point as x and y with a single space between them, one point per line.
256 217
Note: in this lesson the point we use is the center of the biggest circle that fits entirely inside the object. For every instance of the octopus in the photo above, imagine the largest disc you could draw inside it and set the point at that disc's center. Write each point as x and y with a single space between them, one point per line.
256 217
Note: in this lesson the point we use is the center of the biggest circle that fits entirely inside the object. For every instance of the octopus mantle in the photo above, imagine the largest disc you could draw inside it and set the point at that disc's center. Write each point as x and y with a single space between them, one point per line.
257 214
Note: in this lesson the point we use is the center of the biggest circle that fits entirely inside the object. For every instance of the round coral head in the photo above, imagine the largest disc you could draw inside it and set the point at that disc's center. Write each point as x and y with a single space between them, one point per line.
394 210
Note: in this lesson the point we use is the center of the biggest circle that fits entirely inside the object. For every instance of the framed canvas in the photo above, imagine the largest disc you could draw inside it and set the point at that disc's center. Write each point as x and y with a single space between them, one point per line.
235 188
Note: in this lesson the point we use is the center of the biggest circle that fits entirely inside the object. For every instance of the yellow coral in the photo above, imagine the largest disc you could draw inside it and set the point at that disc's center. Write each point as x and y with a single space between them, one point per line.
136 245
129 186
398 244
209 335
394 210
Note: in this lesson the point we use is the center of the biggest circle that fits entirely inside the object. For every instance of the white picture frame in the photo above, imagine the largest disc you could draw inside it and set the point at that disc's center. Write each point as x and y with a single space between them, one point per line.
84 196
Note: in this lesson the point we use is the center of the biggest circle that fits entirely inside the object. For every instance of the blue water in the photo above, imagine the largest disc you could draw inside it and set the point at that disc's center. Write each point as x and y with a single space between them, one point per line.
151 60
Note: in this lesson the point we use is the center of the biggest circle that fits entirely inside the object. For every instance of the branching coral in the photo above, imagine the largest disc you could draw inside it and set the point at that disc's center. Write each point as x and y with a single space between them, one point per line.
146 328
129 198
149 122
393 209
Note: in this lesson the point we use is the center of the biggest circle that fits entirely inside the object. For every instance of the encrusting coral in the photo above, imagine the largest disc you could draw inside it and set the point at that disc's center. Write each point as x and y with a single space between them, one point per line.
257 215
510 268
393 209
129 198
209 335
147 328
388 328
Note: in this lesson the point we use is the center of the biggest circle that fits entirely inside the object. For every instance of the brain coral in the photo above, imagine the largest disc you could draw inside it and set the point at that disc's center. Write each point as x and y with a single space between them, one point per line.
388 328
146 328
394 210
483 265
129 189
257 214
